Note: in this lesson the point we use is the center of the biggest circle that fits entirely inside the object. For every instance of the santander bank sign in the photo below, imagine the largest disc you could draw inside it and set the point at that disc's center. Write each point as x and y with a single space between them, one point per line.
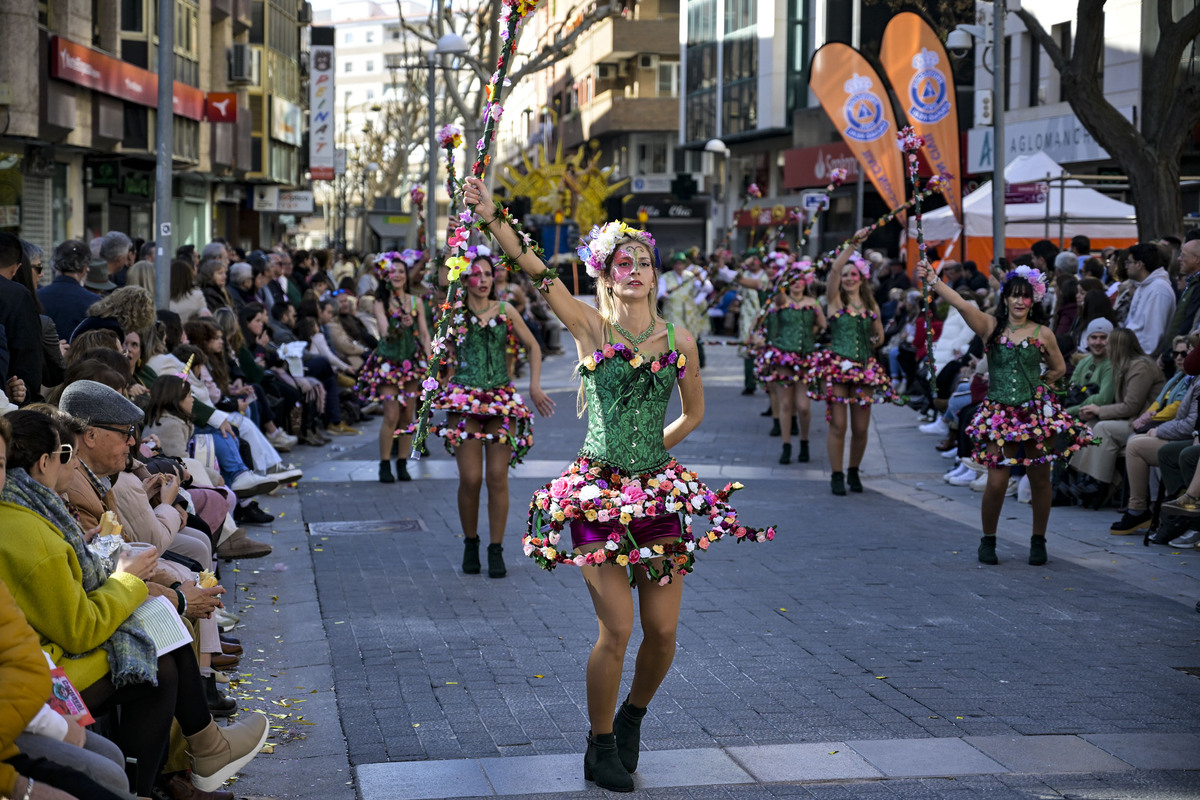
83 66
809 167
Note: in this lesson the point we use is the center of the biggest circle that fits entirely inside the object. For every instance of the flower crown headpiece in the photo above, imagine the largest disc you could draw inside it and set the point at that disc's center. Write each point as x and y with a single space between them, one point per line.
804 270
863 266
477 251
601 242
387 264
1034 276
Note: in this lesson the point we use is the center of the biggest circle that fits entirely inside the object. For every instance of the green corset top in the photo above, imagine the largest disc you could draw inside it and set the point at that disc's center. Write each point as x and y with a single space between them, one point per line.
400 343
627 409
482 354
791 329
1014 372
850 336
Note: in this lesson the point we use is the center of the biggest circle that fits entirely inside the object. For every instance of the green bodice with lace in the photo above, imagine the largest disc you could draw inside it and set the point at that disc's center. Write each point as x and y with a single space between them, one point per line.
481 352
791 329
850 335
1014 371
627 410
400 343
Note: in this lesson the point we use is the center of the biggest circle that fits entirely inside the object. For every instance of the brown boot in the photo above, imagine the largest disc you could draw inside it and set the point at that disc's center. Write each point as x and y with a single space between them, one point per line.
179 788
218 753
239 545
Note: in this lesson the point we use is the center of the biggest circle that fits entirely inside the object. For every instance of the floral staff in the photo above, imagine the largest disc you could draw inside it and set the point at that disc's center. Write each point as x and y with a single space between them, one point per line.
450 138
911 143
418 200
512 14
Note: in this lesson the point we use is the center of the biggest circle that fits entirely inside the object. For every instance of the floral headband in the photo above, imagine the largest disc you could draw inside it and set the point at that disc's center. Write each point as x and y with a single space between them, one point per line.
603 240
804 271
862 265
388 264
1035 278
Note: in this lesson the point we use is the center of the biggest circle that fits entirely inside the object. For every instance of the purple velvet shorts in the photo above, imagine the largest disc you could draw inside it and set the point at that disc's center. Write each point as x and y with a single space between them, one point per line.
645 530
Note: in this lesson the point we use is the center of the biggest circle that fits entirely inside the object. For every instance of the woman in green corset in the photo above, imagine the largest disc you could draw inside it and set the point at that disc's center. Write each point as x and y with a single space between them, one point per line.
852 378
628 503
789 331
484 411
1021 418
391 375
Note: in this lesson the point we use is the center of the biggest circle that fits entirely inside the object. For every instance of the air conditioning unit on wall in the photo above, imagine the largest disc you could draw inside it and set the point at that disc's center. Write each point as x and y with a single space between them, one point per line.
606 72
646 61
244 65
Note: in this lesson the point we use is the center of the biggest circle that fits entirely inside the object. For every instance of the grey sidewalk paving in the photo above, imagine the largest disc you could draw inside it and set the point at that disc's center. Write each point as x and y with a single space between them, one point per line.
866 621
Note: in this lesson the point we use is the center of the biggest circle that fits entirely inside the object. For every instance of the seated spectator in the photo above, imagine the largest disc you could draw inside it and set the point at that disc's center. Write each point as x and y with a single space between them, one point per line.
1153 301
211 277
269 411
81 611
1092 381
1137 380
64 298
1093 305
365 314
186 299
351 324
309 330
347 347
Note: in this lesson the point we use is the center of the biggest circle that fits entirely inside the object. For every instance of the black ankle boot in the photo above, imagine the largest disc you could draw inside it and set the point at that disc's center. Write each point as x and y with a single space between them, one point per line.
1037 550
837 483
775 430
385 472
496 561
852 480
987 550
627 727
602 764
795 427
221 706
471 565
802 456
402 470
786 456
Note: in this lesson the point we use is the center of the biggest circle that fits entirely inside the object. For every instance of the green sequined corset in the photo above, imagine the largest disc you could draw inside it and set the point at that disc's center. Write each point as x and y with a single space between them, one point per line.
400 343
850 336
791 329
482 353
1014 372
627 410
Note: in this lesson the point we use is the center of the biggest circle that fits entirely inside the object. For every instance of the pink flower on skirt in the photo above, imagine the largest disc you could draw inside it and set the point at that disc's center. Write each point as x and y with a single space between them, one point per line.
560 488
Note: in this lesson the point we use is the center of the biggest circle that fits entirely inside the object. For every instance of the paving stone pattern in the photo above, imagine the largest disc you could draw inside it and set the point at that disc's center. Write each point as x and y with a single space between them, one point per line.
868 618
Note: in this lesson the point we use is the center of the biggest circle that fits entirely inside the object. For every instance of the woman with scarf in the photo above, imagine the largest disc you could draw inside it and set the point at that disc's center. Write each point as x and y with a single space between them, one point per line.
81 609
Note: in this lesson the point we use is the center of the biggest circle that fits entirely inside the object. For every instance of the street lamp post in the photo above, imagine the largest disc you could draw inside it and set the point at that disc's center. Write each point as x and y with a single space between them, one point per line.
449 44
719 147
959 41
368 171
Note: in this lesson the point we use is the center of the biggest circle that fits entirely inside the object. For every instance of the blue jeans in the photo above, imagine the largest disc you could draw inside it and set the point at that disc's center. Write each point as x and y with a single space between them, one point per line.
957 402
229 460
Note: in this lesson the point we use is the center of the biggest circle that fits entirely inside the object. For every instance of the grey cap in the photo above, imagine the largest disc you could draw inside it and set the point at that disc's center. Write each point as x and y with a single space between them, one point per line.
1098 325
97 277
95 403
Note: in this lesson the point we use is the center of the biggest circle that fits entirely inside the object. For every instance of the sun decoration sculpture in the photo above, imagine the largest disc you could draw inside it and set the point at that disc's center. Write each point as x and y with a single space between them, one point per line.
552 190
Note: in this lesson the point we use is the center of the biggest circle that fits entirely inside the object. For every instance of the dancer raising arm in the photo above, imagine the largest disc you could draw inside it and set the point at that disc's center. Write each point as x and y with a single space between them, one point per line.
1021 409
484 411
623 496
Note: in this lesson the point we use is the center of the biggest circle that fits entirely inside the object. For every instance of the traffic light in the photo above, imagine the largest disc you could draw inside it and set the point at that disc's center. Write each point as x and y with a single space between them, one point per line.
683 186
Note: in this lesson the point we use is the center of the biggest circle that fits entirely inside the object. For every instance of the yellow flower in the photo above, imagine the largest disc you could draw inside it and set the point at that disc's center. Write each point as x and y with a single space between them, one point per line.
652 483
559 516
591 515
622 560
686 476
456 265
549 552
625 518
636 361
658 548
589 362
682 362
712 536
738 485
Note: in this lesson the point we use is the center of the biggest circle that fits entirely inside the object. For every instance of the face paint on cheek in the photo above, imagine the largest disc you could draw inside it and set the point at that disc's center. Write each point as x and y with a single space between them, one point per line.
474 279
622 271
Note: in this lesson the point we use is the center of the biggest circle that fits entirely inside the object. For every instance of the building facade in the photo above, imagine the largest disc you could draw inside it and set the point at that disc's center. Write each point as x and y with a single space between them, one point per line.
78 156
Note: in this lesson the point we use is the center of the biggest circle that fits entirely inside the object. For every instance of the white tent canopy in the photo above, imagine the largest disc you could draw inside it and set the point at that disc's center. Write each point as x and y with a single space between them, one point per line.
1088 212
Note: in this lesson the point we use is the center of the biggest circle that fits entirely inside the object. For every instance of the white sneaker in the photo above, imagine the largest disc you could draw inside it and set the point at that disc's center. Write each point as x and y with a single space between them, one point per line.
281 440
980 483
1189 539
965 478
936 428
285 473
957 469
1024 491
1011 491
249 484
951 453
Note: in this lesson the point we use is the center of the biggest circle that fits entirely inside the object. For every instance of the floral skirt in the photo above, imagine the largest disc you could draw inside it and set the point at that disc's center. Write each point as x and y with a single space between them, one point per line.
598 492
1038 424
378 372
868 382
503 402
782 366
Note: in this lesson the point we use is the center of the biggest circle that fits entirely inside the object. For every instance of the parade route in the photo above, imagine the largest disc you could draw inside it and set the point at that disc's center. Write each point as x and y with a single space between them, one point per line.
864 653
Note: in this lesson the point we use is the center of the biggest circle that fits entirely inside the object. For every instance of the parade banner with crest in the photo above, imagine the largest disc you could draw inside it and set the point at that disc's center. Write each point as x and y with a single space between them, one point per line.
856 100
917 66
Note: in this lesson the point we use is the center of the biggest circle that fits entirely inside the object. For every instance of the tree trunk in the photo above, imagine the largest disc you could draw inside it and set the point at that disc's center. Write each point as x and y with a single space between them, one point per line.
1154 184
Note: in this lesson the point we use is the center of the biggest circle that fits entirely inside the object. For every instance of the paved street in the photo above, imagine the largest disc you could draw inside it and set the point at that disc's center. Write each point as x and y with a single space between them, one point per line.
863 654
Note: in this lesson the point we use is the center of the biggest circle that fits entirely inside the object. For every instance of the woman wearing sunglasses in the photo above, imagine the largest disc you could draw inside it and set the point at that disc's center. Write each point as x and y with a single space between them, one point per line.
484 411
